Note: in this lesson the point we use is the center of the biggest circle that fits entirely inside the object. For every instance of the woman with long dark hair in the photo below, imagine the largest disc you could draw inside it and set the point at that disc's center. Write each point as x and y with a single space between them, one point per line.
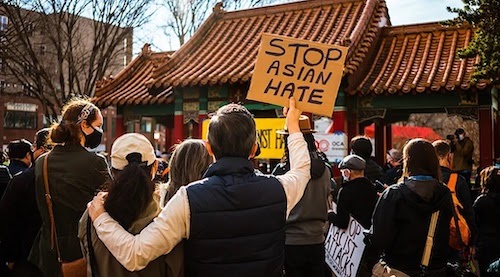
74 175
487 210
402 215
188 163
131 201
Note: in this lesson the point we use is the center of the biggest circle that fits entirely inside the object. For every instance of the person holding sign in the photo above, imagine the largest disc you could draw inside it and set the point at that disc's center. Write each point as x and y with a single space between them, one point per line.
357 198
305 234
402 217
233 220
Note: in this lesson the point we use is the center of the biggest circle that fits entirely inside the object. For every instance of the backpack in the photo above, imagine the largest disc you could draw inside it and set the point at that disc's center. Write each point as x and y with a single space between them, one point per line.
459 229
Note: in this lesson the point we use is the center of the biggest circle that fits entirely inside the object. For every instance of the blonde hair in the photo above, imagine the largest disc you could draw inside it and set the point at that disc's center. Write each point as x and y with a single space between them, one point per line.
188 163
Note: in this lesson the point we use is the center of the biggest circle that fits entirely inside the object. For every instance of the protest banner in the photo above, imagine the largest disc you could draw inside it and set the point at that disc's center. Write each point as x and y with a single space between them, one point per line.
344 248
333 145
272 145
309 71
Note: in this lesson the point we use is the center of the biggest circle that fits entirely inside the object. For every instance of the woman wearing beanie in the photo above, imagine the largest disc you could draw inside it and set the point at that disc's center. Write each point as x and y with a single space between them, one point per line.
74 176
403 213
131 201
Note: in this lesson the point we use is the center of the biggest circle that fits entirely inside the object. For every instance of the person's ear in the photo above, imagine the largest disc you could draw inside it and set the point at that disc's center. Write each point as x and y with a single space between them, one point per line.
253 151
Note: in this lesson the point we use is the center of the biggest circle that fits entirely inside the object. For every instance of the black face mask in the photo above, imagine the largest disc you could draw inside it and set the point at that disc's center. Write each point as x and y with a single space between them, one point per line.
93 139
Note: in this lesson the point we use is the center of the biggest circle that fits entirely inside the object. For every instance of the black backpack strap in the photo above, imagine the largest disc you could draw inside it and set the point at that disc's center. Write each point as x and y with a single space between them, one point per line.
91 249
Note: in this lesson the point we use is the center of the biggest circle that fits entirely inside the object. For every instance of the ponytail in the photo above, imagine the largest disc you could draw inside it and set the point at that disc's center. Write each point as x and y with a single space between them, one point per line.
130 193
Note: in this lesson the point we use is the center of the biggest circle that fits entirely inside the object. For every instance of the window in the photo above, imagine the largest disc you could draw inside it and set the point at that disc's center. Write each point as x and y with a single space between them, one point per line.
4 22
146 125
20 120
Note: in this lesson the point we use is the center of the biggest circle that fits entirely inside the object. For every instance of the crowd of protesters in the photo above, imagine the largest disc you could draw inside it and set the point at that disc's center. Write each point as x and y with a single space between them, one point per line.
211 213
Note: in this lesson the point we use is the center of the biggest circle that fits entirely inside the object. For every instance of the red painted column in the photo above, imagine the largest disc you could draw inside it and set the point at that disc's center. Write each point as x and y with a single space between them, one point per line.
352 128
340 120
485 136
178 134
380 141
120 126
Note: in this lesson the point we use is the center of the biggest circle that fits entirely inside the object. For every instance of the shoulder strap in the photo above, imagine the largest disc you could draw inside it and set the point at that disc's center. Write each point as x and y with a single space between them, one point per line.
430 240
90 247
452 182
48 200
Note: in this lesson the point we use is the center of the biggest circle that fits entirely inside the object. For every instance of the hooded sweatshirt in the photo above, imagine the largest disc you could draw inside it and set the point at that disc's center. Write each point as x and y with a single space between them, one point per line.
306 221
401 222
487 209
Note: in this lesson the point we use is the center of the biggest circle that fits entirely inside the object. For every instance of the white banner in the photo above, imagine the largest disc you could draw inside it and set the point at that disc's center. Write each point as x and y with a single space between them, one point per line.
344 248
333 145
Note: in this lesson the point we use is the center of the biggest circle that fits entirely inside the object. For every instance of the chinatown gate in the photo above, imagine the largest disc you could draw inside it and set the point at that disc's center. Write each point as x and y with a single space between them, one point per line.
391 71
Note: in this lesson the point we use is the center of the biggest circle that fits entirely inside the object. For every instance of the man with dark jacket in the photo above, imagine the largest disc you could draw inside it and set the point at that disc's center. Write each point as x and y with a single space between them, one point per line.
443 151
305 227
20 215
19 152
357 198
362 146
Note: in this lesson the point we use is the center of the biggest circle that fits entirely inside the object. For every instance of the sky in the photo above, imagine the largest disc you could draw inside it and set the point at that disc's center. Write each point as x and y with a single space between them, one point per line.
401 12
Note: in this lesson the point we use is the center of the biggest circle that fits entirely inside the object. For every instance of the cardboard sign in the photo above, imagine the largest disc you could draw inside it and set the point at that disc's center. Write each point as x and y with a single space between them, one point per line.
272 145
344 248
333 145
308 71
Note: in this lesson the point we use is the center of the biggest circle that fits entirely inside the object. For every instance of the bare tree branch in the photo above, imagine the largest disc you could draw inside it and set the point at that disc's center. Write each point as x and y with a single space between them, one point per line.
59 48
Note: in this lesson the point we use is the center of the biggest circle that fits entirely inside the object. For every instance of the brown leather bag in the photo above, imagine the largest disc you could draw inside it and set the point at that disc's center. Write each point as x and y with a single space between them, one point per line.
76 268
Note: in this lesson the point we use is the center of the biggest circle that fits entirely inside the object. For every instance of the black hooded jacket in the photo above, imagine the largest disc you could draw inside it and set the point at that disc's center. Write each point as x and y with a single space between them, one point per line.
401 222
487 208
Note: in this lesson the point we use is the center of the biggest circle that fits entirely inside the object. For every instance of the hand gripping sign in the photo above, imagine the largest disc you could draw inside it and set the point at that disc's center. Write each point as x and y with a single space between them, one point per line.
344 248
308 71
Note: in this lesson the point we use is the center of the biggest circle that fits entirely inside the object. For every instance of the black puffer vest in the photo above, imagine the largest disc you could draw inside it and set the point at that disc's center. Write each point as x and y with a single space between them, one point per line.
237 222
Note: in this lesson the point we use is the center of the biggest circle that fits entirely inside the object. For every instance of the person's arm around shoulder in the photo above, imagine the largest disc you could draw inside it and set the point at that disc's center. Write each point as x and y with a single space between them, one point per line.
295 181
158 238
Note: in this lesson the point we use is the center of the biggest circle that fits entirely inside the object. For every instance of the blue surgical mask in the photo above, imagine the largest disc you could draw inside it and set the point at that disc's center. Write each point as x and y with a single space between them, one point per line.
497 165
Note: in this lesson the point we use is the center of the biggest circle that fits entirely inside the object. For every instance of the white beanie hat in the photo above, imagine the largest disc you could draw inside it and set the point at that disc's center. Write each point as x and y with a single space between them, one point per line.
131 143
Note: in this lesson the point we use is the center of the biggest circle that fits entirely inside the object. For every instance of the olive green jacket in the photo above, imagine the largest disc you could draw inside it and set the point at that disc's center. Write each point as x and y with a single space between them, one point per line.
74 177
462 156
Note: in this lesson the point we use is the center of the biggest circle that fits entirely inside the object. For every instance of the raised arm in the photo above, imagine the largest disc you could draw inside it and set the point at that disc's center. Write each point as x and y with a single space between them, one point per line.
295 181
158 238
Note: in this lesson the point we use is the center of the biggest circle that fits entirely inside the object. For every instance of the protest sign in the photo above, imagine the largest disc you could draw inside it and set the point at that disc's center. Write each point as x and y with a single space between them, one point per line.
272 145
344 248
309 71
333 145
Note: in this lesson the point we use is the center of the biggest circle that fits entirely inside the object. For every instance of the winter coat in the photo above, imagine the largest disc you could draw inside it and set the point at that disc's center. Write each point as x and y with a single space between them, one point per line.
401 222
74 176
462 155
356 198
463 194
20 216
106 264
306 222
373 171
487 209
